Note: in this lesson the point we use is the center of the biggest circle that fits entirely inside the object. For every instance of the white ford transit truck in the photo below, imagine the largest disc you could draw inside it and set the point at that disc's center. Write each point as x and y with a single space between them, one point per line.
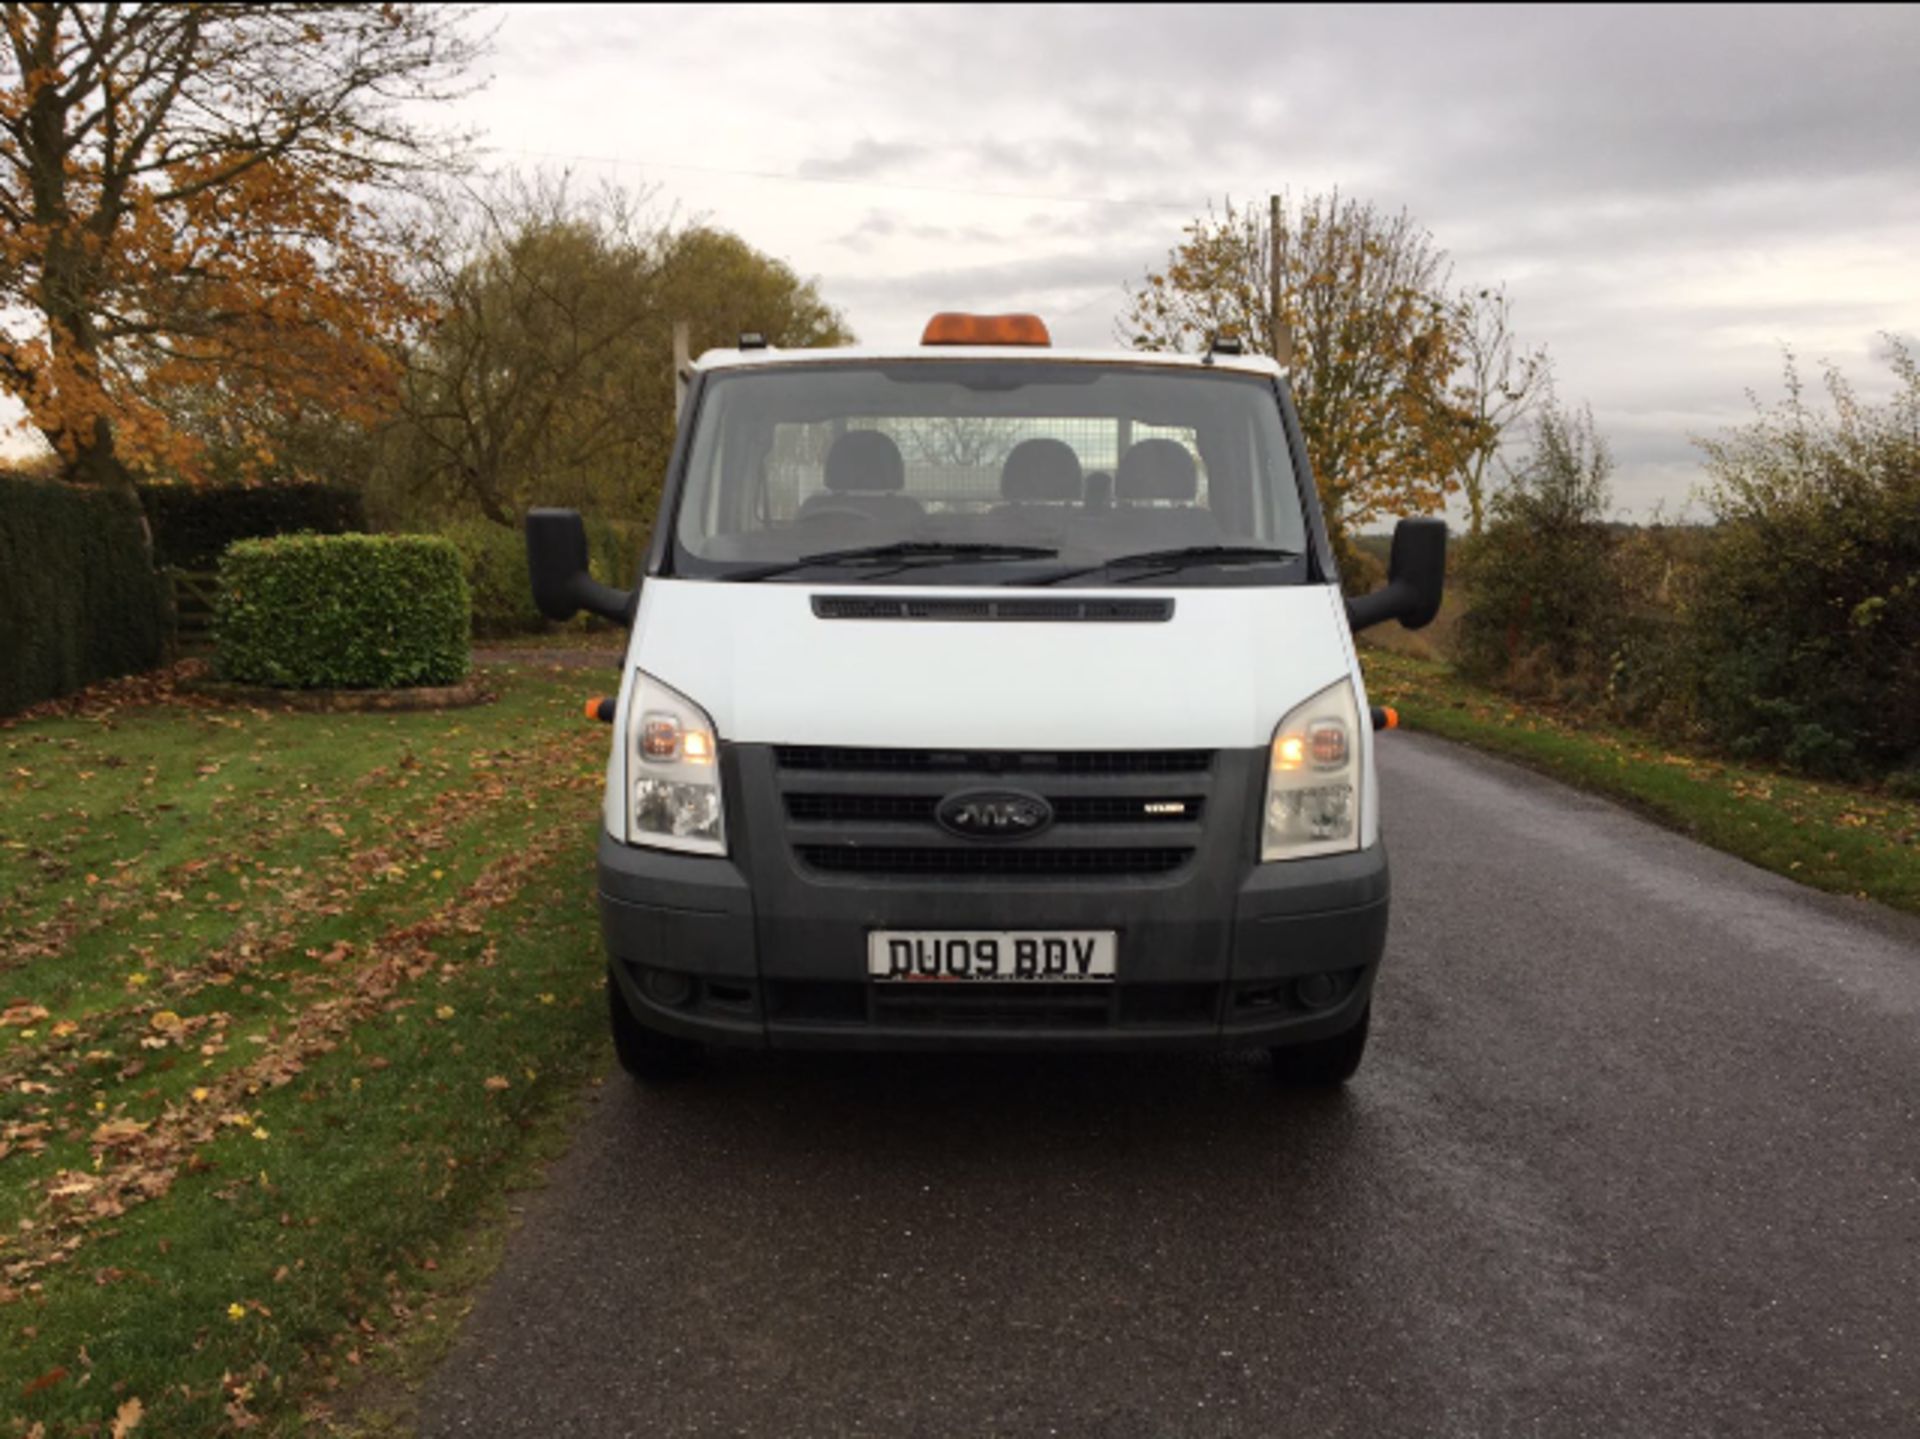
986 695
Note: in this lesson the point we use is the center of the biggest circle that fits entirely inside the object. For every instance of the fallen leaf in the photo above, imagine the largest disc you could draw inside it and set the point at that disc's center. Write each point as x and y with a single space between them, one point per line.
497 1082
119 1131
127 1418
45 1381
21 1012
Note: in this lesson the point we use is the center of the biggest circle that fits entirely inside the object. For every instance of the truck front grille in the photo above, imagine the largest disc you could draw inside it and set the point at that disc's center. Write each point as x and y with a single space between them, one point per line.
872 812
1068 809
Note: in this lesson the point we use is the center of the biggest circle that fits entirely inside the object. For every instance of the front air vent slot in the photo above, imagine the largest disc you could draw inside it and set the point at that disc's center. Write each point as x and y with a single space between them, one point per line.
948 862
1029 611
998 763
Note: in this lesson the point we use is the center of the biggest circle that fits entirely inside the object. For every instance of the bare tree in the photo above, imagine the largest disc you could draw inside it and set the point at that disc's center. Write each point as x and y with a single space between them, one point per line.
957 442
1499 387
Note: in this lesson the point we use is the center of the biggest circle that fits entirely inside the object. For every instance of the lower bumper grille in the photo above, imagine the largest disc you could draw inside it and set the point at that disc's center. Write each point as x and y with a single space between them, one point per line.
1055 1006
992 1006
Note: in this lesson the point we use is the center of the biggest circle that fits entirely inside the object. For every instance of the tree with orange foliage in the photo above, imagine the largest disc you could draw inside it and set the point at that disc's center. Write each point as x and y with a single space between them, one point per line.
1376 341
189 206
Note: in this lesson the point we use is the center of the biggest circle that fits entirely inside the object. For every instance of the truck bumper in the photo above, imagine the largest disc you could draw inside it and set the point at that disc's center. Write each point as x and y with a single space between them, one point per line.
694 955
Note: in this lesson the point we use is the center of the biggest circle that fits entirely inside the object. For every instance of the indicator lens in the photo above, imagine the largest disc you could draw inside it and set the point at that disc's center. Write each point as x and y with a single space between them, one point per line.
659 737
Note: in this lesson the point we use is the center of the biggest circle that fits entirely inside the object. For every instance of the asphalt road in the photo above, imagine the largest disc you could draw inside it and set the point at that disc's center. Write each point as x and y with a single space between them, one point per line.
1635 1153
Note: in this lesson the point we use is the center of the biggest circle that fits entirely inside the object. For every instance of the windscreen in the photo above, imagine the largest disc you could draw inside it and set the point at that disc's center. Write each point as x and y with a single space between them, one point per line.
990 472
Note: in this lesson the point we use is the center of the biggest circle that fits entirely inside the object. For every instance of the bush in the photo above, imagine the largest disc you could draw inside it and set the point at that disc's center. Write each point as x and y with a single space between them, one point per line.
342 612
193 525
495 559
1544 594
79 600
1807 620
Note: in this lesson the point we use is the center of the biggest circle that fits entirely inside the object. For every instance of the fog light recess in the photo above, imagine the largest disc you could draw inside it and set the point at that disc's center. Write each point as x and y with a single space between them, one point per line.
1317 991
667 987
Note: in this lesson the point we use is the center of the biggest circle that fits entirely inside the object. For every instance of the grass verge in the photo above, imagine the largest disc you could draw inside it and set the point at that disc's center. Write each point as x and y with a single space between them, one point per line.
287 1003
1834 837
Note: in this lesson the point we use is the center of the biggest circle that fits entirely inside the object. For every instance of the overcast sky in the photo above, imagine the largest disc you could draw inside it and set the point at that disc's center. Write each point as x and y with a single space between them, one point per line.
1670 195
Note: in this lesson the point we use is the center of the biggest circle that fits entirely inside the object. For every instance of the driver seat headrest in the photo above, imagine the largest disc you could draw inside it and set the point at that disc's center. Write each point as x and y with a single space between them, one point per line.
865 462
1157 470
1043 470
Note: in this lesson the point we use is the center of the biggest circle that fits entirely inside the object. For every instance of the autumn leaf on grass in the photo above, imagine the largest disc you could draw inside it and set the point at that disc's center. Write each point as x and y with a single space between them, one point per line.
119 1131
497 1082
127 1418
20 1012
69 1183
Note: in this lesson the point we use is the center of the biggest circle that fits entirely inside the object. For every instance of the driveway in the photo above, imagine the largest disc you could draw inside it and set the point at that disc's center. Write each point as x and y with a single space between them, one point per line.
1635 1152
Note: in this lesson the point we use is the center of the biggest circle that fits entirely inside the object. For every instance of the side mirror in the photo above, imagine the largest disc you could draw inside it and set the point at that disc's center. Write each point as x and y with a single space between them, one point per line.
1416 574
557 567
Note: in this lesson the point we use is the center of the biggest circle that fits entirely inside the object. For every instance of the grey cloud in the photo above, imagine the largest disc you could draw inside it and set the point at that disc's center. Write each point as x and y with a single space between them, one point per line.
862 160
1668 193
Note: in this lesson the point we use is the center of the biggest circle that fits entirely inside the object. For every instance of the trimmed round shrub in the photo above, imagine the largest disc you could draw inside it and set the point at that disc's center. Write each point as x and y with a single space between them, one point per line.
342 612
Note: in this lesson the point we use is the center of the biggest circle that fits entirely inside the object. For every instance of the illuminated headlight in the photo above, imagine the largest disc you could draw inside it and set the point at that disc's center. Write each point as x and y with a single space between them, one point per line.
674 770
1313 778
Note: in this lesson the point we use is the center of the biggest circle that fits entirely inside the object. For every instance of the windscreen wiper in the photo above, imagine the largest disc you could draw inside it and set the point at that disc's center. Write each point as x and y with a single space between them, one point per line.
1165 561
902 554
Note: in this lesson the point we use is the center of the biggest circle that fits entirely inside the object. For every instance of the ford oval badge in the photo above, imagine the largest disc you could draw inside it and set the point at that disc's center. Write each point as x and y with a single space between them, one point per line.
994 814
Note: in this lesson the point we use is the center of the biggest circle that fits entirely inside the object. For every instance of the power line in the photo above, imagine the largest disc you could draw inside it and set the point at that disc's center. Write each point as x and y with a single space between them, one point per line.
794 178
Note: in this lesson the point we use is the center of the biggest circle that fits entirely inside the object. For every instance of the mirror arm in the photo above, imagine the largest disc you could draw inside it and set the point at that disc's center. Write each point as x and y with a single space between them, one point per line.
1383 604
604 600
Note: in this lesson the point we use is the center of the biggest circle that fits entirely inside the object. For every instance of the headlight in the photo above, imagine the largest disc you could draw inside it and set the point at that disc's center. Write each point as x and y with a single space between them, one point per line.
673 772
1313 778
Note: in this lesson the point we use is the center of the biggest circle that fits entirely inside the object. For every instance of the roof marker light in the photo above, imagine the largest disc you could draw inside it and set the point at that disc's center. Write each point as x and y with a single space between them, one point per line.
951 327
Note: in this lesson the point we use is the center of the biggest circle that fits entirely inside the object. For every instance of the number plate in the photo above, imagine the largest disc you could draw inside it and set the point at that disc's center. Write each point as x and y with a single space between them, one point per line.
1045 956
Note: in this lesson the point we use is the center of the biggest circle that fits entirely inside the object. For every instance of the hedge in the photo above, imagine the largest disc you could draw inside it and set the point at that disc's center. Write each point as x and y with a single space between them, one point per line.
342 612
496 566
495 560
79 600
192 526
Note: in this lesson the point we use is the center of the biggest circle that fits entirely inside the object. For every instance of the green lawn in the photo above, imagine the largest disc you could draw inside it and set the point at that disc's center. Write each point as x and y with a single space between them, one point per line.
1835 837
285 1001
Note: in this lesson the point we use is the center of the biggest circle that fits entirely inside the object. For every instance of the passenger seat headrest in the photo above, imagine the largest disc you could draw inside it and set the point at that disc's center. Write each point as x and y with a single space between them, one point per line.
1157 470
865 462
1041 470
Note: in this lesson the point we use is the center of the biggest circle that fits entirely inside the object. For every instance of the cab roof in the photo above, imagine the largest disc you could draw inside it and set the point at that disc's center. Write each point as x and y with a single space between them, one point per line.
735 359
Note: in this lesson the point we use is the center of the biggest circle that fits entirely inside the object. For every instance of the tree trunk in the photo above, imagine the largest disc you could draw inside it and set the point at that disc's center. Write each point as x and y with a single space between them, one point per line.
97 464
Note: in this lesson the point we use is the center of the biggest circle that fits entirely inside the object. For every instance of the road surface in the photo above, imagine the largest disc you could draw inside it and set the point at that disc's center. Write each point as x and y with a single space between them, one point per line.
1634 1153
